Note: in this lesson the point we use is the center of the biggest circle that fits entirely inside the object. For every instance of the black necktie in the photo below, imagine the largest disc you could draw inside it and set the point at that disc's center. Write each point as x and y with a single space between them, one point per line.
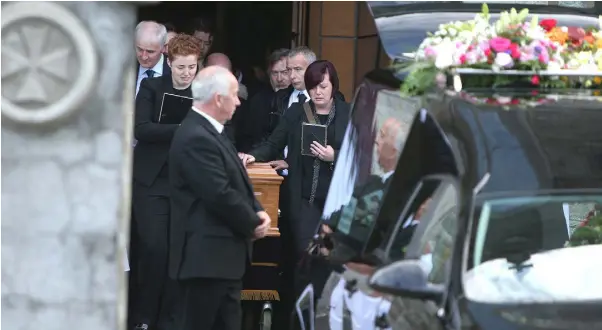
150 73
301 98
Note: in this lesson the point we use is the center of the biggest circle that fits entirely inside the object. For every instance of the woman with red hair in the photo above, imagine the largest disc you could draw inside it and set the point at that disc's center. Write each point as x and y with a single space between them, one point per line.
154 297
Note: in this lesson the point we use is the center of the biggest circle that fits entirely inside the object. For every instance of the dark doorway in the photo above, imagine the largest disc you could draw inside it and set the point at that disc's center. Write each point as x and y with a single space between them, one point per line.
245 31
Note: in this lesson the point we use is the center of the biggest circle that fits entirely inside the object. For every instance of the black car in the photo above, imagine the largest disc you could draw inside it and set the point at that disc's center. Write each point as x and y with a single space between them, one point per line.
374 208
489 251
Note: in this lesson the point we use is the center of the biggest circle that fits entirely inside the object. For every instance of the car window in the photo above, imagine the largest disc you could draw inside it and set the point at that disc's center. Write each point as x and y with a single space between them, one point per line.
374 140
433 244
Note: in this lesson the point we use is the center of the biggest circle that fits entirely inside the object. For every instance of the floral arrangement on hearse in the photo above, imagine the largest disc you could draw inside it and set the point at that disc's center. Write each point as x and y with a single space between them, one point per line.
510 43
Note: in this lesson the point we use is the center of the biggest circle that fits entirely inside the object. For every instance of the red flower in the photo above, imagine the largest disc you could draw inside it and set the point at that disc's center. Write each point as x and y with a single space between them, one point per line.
515 52
576 35
515 101
535 80
463 59
548 24
488 52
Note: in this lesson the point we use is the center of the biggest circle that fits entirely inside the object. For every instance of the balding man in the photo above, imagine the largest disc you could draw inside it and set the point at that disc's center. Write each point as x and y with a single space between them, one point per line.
149 44
215 215
237 125
219 59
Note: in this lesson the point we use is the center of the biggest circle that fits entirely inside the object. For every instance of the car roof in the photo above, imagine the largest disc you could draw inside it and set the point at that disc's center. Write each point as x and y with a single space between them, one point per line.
402 25
547 147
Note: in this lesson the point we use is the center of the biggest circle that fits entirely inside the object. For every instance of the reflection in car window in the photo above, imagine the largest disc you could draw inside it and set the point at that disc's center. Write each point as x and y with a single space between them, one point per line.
520 244
376 143
436 242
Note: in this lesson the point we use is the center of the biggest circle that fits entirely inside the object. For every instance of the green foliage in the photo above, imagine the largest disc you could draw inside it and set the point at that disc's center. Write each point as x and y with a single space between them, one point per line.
420 78
589 234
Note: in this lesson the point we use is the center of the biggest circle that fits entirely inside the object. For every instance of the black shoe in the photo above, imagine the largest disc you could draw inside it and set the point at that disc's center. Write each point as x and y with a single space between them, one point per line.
141 326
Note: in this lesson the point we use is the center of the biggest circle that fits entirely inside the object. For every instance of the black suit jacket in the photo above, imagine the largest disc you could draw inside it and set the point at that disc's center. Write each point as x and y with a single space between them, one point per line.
213 207
150 152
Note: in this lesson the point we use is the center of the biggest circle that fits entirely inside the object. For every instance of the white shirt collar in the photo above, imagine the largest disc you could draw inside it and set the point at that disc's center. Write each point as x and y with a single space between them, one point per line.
218 126
293 98
158 68
387 175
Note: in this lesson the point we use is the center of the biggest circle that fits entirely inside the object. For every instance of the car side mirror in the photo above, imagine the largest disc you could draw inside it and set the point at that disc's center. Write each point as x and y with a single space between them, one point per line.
406 278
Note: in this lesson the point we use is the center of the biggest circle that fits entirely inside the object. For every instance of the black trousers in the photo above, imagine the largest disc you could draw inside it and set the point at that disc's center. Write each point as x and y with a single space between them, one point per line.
155 293
309 270
209 304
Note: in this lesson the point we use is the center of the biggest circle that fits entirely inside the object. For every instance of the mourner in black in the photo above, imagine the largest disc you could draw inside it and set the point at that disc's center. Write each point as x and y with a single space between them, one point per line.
232 126
309 176
214 213
258 121
155 294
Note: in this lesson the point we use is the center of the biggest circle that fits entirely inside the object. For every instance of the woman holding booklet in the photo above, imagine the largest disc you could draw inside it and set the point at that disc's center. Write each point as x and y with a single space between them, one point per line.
161 104
313 132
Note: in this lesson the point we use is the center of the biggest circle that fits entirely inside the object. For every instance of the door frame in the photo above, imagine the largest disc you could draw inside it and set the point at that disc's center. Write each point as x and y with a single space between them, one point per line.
299 26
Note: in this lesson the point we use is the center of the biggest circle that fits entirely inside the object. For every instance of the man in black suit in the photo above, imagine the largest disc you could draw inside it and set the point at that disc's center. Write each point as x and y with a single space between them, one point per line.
231 126
214 213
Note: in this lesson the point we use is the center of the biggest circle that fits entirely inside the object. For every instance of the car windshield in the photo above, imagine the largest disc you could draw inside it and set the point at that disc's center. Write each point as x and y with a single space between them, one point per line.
536 249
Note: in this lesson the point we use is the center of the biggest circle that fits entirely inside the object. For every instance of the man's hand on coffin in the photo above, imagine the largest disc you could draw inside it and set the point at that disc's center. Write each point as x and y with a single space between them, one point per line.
279 164
246 158
263 228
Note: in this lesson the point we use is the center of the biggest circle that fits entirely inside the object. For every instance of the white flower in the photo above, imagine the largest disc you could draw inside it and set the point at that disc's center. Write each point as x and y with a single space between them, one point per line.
452 32
504 60
554 66
444 60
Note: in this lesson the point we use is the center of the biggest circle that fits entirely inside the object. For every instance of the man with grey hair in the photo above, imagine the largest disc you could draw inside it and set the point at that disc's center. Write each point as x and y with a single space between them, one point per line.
214 213
150 39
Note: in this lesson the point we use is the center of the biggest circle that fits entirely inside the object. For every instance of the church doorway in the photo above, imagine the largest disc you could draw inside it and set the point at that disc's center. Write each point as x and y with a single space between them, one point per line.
245 31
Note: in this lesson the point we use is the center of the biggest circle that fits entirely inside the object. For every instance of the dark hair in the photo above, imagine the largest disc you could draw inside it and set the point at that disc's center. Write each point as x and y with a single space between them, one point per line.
276 56
203 24
183 45
169 27
315 74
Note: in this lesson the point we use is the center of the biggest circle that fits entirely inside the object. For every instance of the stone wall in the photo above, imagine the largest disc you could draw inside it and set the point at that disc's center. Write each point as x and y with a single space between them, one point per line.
67 99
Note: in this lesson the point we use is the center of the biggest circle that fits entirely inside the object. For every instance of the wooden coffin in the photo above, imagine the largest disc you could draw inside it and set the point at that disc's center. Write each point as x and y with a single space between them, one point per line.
266 184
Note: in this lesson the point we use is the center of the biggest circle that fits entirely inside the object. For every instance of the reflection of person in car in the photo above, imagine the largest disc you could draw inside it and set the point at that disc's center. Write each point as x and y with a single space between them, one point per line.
388 143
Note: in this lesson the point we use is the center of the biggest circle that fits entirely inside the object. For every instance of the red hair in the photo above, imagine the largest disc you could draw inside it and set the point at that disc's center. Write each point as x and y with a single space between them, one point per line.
183 45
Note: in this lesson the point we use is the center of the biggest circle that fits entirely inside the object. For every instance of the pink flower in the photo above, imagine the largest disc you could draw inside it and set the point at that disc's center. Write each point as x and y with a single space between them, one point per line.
430 52
500 44
535 80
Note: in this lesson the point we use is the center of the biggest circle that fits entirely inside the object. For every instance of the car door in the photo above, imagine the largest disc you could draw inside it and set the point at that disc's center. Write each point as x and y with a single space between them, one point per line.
433 214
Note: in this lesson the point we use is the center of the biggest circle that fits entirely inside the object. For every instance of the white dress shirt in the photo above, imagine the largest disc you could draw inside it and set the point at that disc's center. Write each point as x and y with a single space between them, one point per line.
292 99
218 126
158 69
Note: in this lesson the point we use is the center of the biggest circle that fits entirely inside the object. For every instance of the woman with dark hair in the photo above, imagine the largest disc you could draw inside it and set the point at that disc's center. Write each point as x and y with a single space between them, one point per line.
309 176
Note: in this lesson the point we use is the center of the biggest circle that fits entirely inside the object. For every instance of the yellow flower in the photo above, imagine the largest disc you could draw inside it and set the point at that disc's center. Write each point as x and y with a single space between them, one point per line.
597 80
584 57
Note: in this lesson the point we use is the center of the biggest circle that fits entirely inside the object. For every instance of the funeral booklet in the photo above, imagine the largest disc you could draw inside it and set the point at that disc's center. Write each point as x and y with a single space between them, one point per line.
174 108
311 133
